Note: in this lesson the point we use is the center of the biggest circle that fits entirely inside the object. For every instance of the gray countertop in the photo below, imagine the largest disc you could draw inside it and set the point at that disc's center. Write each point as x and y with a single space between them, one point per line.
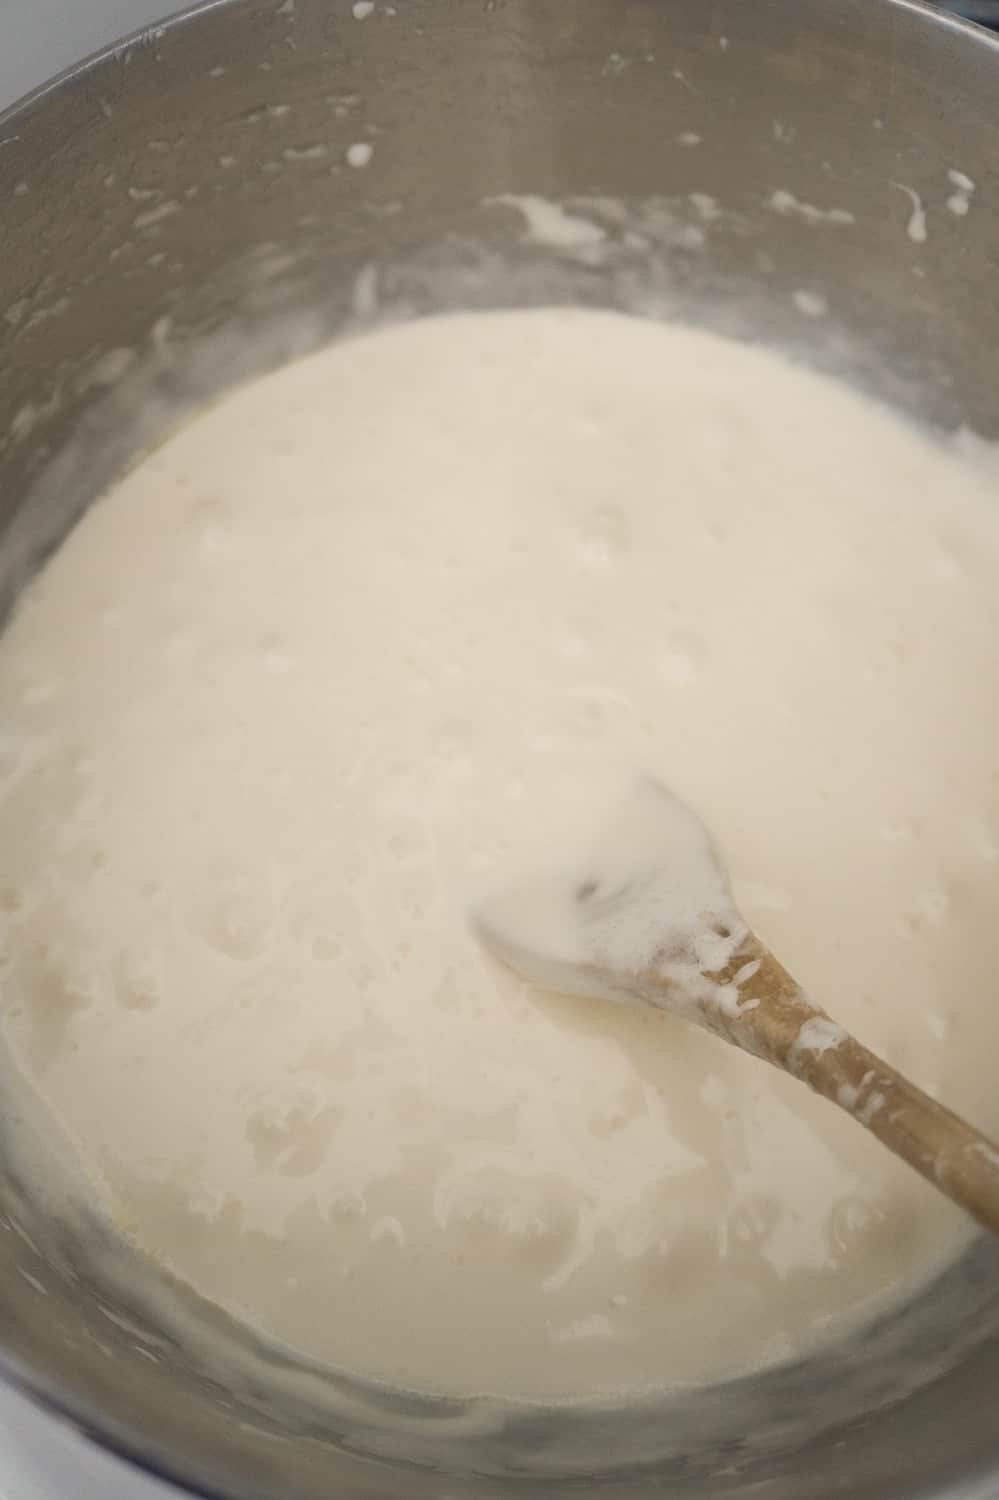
41 37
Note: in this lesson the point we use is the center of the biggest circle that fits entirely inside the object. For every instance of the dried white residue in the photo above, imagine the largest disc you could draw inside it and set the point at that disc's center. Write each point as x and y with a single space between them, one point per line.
681 77
916 227
615 65
960 199
32 414
342 104
359 154
862 1100
818 1034
365 298
990 1153
156 215
783 202
32 1281
287 8
161 332
707 208
872 1106
689 237
594 1326
53 310
689 138
304 153
547 223
363 9
810 304
106 370
598 229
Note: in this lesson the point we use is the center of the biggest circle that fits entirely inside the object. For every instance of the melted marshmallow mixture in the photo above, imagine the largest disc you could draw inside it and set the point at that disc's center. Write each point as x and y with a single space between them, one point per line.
349 653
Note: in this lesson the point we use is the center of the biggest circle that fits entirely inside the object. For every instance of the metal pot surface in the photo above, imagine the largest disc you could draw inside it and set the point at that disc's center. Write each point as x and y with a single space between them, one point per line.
230 189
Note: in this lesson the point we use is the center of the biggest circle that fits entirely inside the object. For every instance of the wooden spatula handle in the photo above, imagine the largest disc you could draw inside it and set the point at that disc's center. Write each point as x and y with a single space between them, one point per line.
776 1021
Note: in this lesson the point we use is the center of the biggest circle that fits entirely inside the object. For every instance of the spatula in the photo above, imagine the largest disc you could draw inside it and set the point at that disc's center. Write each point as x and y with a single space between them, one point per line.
649 918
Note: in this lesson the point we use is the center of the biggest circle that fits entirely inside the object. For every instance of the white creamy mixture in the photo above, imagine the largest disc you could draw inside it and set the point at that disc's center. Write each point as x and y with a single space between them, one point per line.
344 656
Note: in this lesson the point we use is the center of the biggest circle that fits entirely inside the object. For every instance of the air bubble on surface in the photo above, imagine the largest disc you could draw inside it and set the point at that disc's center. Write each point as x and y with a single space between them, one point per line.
359 154
602 537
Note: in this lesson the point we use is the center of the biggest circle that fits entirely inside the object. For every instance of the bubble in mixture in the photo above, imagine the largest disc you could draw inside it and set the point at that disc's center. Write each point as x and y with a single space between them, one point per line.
235 917
603 537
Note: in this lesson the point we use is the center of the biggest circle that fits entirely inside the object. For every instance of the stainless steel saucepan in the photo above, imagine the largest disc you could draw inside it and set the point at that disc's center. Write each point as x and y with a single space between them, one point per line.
230 189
